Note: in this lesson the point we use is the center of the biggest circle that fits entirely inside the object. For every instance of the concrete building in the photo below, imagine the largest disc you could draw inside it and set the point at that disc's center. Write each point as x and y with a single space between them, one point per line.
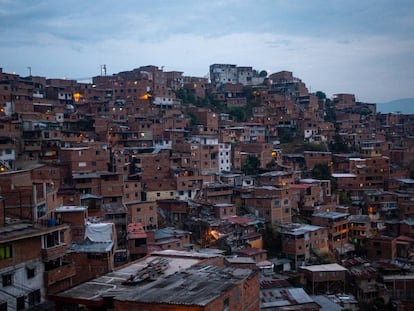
223 73
32 263
224 157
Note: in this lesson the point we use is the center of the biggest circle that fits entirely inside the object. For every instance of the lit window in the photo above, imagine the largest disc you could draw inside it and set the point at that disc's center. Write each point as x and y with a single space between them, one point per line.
5 252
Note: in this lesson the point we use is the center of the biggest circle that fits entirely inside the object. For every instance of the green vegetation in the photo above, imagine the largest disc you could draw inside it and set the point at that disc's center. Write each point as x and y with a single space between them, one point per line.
308 146
338 145
251 165
321 171
188 97
271 240
344 198
320 95
238 114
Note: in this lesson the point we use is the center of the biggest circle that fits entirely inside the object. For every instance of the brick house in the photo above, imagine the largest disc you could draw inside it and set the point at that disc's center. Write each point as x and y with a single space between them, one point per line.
338 227
300 242
329 278
273 204
206 288
381 247
137 241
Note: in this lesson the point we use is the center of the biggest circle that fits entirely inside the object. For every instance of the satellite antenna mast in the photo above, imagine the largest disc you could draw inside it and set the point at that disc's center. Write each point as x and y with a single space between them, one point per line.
103 70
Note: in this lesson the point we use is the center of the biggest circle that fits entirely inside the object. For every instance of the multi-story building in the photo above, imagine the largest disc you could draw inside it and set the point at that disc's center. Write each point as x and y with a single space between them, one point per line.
271 203
338 227
32 261
344 101
224 157
223 73
381 247
144 213
137 241
300 242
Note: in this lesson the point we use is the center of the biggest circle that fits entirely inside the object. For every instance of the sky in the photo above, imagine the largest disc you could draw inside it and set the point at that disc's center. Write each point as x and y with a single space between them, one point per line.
363 47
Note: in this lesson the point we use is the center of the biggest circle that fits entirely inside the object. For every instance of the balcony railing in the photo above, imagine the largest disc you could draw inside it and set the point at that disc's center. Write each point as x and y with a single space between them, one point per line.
54 252
59 274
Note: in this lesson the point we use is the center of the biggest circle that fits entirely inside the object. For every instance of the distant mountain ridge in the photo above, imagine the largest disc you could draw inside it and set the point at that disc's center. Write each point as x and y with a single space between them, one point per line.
403 105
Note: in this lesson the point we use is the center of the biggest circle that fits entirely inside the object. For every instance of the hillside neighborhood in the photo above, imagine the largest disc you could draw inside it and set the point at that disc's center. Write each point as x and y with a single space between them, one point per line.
151 190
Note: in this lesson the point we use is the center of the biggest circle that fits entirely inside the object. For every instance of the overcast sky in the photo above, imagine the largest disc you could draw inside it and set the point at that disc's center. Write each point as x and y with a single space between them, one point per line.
364 47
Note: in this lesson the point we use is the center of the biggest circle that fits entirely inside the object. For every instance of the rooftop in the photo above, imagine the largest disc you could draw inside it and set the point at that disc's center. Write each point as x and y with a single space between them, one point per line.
343 175
195 286
22 230
89 246
70 208
298 229
324 268
331 215
280 297
114 283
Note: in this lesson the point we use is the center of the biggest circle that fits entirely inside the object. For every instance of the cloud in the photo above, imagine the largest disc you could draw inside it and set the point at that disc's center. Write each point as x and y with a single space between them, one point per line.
353 46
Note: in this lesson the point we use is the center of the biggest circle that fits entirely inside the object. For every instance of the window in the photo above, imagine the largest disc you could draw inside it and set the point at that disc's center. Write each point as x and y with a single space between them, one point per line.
226 304
20 303
7 279
34 297
30 272
6 252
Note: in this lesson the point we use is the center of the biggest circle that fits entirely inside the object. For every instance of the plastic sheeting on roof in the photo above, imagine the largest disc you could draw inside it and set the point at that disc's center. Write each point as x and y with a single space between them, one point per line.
101 232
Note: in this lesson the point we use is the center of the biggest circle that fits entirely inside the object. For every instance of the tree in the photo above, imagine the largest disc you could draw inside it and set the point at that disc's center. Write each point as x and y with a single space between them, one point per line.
263 74
239 114
251 165
344 197
338 145
271 240
321 171
320 95
308 146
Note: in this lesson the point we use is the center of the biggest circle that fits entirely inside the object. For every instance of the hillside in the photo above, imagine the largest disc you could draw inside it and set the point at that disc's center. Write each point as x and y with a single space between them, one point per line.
404 105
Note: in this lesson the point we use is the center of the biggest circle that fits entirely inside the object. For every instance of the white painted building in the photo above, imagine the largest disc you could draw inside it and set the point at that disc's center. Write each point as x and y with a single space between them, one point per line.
224 157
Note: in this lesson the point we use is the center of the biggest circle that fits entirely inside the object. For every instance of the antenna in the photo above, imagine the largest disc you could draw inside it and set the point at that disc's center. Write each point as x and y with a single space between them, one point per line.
103 70
30 70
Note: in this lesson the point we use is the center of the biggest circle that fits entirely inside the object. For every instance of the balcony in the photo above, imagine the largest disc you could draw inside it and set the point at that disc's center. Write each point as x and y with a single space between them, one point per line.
59 274
53 252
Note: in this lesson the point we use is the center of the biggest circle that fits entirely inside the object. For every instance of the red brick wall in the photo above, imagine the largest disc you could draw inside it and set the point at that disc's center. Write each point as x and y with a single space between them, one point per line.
22 251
